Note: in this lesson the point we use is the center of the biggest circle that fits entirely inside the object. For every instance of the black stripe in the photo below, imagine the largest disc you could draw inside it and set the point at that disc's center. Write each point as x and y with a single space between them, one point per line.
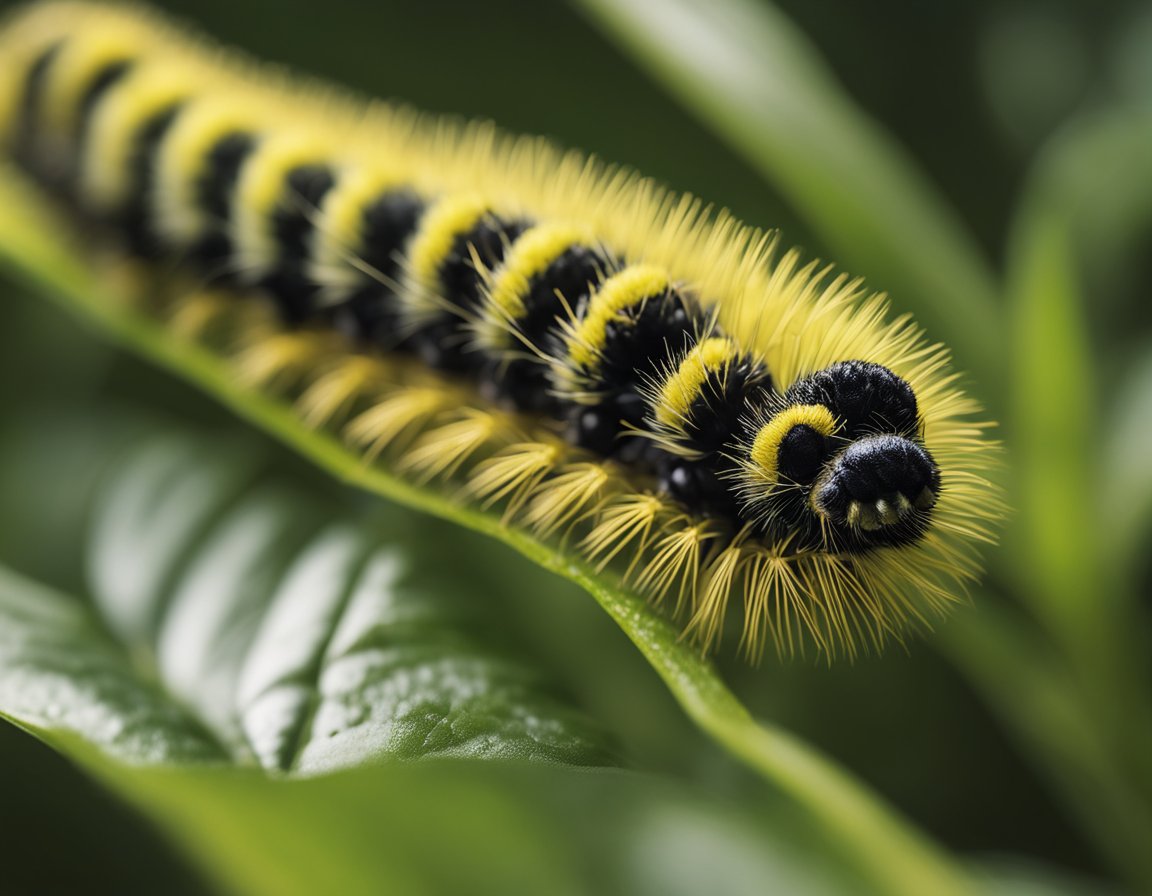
293 222
523 381
720 418
638 343
136 218
27 127
213 194
443 342
370 314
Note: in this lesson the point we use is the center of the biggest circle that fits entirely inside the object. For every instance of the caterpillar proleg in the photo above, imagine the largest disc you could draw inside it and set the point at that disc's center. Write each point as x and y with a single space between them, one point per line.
662 390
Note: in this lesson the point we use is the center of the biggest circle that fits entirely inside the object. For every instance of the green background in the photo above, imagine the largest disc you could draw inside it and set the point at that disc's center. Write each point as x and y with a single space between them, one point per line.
973 91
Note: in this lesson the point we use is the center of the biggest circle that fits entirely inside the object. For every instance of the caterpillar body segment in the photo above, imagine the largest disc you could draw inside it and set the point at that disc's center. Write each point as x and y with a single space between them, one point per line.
605 362
357 252
700 411
547 274
458 239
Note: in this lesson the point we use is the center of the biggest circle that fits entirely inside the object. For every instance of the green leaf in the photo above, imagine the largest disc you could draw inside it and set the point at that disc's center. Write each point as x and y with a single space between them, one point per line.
251 626
746 71
884 847
60 673
1060 549
1057 550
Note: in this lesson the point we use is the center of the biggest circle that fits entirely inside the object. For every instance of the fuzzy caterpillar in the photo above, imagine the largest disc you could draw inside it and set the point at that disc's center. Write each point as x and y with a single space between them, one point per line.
605 362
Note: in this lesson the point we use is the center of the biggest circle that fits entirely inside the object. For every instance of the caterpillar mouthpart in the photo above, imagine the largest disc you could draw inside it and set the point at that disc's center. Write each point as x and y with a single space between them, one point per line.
881 487
660 392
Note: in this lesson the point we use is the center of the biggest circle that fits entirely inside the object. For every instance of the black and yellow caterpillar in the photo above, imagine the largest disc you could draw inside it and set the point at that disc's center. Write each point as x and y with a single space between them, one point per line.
636 375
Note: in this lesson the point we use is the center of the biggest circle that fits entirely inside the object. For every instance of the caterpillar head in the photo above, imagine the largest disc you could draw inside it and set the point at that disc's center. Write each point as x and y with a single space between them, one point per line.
839 460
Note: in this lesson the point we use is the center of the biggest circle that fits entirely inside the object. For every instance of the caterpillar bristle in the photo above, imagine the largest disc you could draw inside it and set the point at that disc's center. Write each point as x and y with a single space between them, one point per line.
438 453
332 394
775 607
200 320
567 498
280 361
674 566
512 475
625 521
710 606
396 419
646 383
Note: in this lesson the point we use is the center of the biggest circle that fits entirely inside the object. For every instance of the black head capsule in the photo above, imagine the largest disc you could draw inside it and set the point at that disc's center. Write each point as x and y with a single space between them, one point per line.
865 397
879 489
847 470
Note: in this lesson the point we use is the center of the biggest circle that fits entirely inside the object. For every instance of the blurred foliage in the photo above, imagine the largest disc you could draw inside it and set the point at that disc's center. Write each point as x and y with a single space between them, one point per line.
1029 732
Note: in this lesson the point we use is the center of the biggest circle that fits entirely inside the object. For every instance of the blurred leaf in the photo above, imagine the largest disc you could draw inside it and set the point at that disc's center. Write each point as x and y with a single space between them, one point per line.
1083 710
1034 64
449 827
1056 556
1075 212
1079 179
750 74
51 459
1127 474
890 852
1038 699
1077 215
1053 423
1083 169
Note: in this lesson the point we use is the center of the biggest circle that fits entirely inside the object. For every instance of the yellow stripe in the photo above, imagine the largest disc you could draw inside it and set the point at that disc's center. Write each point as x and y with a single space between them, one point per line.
21 44
530 256
680 390
105 176
339 231
766 446
439 229
445 221
85 54
182 159
616 295
260 191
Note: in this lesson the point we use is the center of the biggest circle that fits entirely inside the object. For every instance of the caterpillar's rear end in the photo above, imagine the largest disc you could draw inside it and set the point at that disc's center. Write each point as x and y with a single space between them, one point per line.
660 391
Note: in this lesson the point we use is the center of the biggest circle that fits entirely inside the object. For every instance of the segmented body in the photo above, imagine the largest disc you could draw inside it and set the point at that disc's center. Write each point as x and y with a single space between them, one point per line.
767 407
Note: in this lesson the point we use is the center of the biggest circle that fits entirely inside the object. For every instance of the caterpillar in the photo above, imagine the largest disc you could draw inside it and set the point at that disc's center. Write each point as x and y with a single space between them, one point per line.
661 390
